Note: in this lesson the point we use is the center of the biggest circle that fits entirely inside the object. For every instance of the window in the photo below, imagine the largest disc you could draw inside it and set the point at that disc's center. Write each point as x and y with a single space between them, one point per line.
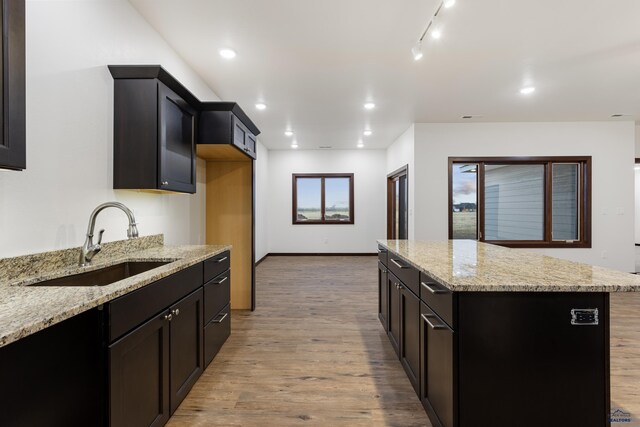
323 198
521 201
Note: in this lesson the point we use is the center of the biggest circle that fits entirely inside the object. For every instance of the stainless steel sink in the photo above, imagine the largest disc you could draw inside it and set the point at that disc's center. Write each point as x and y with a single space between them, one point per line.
104 276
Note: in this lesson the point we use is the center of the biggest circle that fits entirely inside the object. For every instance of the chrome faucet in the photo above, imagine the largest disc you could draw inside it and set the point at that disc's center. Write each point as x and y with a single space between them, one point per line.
89 249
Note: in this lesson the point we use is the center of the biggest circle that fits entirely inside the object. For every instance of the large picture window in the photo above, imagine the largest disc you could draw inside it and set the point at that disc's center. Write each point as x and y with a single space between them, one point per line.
323 198
521 201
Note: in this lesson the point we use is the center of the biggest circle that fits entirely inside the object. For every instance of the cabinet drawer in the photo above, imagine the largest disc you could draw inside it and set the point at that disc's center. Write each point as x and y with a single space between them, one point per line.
216 265
216 333
217 294
437 297
382 254
133 309
408 275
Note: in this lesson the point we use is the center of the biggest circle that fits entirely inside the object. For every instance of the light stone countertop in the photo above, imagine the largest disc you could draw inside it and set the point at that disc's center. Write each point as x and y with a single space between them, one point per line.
470 266
26 309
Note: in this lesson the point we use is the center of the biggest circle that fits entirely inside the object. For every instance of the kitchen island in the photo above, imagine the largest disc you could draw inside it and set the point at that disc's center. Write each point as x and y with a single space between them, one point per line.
491 336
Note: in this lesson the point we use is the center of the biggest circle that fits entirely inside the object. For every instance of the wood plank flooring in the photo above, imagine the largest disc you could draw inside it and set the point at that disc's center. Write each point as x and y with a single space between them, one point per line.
315 354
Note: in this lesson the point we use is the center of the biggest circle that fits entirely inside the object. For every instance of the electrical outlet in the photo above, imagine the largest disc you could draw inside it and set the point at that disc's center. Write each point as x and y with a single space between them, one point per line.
620 211
604 255
326 241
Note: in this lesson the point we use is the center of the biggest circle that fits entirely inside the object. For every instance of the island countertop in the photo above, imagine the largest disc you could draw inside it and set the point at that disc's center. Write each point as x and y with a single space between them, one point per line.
26 309
471 266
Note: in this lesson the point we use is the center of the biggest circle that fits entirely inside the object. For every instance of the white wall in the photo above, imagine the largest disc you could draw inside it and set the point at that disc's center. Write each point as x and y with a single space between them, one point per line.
70 131
261 172
399 154
610 144
369 195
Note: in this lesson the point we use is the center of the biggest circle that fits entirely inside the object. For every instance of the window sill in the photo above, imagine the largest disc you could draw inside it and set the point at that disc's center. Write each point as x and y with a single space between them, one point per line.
539 245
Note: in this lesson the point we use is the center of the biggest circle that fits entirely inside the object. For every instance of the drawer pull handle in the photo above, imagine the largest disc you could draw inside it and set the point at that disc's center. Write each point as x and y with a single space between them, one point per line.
382 251
431 325
175 312
168 317
220 260
221 319
398 264
432 290
221 281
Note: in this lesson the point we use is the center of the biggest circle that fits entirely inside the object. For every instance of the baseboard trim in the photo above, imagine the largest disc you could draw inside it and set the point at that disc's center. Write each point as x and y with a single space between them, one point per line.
316 254
261 259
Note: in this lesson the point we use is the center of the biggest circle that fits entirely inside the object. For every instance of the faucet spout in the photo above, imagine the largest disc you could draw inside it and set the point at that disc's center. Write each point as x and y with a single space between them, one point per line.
89 249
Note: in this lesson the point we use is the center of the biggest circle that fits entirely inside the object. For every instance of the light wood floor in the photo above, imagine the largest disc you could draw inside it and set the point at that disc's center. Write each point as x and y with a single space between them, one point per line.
315 354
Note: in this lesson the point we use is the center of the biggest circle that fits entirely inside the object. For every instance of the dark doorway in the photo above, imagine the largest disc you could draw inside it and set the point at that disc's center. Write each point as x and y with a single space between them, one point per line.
398 204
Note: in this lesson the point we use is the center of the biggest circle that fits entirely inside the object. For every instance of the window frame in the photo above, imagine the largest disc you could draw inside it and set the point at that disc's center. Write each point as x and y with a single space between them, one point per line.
322 176
584 201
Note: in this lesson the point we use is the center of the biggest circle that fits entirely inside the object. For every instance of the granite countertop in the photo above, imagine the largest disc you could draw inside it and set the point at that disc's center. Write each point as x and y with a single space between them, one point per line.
470 266
26 309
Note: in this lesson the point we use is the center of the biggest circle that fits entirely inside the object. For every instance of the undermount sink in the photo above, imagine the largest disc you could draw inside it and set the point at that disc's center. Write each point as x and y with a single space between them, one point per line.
104 276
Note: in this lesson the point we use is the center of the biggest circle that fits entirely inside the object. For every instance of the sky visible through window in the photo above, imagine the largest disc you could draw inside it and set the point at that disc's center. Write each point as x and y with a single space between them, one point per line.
464 185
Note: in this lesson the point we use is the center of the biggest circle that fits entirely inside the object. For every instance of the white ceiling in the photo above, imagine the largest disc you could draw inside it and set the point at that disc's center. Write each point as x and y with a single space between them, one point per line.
315 62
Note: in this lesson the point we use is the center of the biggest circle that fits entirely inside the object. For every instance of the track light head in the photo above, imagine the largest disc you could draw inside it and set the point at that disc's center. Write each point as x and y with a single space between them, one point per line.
416 51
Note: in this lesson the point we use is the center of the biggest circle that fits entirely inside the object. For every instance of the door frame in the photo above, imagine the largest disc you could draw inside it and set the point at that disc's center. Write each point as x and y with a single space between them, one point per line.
403 171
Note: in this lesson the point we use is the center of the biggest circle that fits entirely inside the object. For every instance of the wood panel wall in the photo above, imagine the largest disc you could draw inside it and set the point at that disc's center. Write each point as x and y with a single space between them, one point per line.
229 221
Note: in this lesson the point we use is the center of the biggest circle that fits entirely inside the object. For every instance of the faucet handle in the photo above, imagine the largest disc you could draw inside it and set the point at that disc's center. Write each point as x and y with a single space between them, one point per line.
100 233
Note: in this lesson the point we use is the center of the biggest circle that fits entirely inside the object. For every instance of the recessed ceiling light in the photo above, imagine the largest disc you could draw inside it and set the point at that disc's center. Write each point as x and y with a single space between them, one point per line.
294 144
367 132
360 144
261 106
288 133
227 53
527 90
436 33
369 106
449 3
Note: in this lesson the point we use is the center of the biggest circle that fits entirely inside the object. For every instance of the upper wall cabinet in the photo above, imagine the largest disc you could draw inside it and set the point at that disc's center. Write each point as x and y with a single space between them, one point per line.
226 132
12 86
155 125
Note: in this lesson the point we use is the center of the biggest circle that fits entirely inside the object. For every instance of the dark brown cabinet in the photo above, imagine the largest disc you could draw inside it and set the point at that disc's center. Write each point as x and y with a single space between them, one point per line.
155 125
393 295
186 338
224 123
383 296
437 367
410 335
12 86
489 358
139 376
217 296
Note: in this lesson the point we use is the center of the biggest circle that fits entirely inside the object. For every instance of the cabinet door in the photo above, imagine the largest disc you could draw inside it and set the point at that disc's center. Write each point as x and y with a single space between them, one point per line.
139 376
239 133
437 365
383 296
393 292
250 145
410 336
176 142
12 86
186 346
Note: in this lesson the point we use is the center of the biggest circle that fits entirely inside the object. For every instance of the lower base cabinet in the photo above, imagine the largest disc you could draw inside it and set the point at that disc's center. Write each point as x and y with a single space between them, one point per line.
436 366
393 317
139 376
500 359
410 335
186 349
127 363
216 333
